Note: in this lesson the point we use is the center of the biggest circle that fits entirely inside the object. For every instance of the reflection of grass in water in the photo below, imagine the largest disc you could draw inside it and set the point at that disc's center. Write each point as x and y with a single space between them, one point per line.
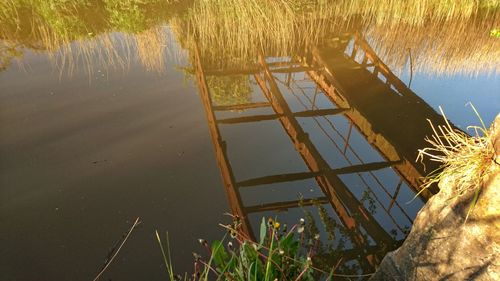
416 12
329 251
151 46
454 46
230 90
63 29
114 51
125 15
7 54
231 32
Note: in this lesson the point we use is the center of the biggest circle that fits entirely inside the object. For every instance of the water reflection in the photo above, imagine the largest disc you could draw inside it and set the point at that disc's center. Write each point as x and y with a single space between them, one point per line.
324 74
231 32
369 216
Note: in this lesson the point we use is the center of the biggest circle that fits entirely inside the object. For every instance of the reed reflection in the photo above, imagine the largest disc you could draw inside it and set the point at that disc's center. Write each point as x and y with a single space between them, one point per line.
423 34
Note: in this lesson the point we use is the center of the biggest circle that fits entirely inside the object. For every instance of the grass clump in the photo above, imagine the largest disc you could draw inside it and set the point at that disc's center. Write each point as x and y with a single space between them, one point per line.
280 254
465 159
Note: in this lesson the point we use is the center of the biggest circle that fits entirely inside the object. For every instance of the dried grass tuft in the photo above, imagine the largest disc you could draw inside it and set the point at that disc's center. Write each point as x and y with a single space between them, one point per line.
465 159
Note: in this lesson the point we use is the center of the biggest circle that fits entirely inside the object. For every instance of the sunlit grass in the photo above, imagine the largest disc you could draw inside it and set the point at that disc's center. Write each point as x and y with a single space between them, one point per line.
464 159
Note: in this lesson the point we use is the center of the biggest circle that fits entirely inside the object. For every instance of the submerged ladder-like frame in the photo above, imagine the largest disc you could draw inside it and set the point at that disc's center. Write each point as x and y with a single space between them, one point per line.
350 211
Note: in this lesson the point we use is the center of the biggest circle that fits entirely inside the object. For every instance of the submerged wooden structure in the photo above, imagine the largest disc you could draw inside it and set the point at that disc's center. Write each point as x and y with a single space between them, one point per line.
349 73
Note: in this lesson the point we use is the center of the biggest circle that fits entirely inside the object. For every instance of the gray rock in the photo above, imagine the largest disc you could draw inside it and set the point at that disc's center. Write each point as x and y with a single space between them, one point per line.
441 247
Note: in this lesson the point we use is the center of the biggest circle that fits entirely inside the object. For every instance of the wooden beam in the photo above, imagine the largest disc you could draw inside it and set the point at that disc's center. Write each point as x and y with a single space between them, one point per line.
243 106
251 71
266 117
273 179
320 112
247 119
286 205
233 196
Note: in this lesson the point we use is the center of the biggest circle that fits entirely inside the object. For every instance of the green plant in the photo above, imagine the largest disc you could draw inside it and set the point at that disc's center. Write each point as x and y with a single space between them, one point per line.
280 254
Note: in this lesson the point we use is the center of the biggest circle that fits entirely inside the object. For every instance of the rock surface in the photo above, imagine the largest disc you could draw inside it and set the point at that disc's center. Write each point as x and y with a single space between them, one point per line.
441 247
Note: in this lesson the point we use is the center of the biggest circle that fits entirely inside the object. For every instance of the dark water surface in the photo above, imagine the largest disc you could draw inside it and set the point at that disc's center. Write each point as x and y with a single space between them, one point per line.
110 116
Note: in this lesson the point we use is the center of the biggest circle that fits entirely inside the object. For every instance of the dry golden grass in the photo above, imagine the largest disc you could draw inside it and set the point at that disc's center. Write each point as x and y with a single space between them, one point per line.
464 159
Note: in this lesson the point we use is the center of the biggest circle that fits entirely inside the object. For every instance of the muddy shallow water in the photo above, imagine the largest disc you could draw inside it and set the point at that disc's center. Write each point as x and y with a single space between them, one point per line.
180 114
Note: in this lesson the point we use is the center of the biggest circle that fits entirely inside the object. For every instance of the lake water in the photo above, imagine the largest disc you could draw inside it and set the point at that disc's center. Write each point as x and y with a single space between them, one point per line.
182 113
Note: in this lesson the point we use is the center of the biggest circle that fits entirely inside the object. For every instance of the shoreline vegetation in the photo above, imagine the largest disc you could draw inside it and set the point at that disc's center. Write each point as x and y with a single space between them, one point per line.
465 159
115 32
281 253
